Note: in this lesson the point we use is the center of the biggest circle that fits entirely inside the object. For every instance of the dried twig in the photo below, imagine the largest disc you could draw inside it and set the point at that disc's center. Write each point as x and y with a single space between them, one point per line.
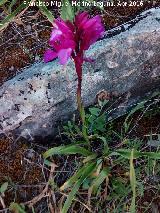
2 202
45 192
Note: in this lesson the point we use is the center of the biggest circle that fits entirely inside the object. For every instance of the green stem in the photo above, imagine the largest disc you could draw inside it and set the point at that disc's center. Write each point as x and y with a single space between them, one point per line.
81 110
79 100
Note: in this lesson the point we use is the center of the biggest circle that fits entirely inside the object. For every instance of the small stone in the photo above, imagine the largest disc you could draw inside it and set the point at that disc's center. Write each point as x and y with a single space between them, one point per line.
37 58
30 153
28 28
11 68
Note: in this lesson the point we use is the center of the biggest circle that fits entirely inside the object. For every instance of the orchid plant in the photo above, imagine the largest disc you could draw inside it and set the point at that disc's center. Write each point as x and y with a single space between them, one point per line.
70 39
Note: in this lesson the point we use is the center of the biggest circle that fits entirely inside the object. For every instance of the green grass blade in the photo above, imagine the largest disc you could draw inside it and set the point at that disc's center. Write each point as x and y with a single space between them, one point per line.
133 183
153 155
11 5
73 179
87 171
99 180
2 2
11 16
90 158
126 153
15 207
67 150
70 197
3 187
47 13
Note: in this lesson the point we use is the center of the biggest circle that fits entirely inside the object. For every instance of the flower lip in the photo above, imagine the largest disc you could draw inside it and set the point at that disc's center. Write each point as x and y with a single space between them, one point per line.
49 55
64 55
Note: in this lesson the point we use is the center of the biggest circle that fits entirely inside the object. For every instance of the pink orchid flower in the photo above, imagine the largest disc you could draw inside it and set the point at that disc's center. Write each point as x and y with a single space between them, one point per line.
71 39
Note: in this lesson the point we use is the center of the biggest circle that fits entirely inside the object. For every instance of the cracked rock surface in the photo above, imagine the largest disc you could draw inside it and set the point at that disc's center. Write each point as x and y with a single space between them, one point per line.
43 95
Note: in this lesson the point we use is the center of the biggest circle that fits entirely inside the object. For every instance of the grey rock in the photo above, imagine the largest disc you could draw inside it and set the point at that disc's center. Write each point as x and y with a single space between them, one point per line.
127 61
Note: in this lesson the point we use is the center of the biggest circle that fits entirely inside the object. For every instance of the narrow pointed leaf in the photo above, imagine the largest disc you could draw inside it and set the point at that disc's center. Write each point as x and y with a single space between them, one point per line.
66 150
88 170
3 187
2 2
133 183
99 180
11 16
90 158
13 2
73 179
153 155
47 13
126 153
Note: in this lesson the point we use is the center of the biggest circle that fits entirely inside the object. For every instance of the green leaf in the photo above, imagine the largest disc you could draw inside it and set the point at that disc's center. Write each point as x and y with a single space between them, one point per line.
153 155
47 162
24 5
99 180
133 183
2 2
94 111
73 179
47 13
67 12
33 211
16 208
86 184
105 145
3 187
100 123
67 150
90 158
87 171
140 188
126 153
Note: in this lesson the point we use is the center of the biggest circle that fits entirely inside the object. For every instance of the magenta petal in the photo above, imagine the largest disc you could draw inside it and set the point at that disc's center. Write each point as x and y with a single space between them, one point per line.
64 55
62 26
66 28
70 25
55 34
93 22
49 55
76 37
68 44
81 18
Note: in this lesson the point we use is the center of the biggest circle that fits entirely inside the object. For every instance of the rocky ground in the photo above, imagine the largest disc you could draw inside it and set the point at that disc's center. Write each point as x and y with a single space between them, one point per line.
25 40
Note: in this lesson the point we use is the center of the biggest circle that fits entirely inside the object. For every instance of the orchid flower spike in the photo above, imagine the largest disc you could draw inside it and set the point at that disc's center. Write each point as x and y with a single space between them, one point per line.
72 39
